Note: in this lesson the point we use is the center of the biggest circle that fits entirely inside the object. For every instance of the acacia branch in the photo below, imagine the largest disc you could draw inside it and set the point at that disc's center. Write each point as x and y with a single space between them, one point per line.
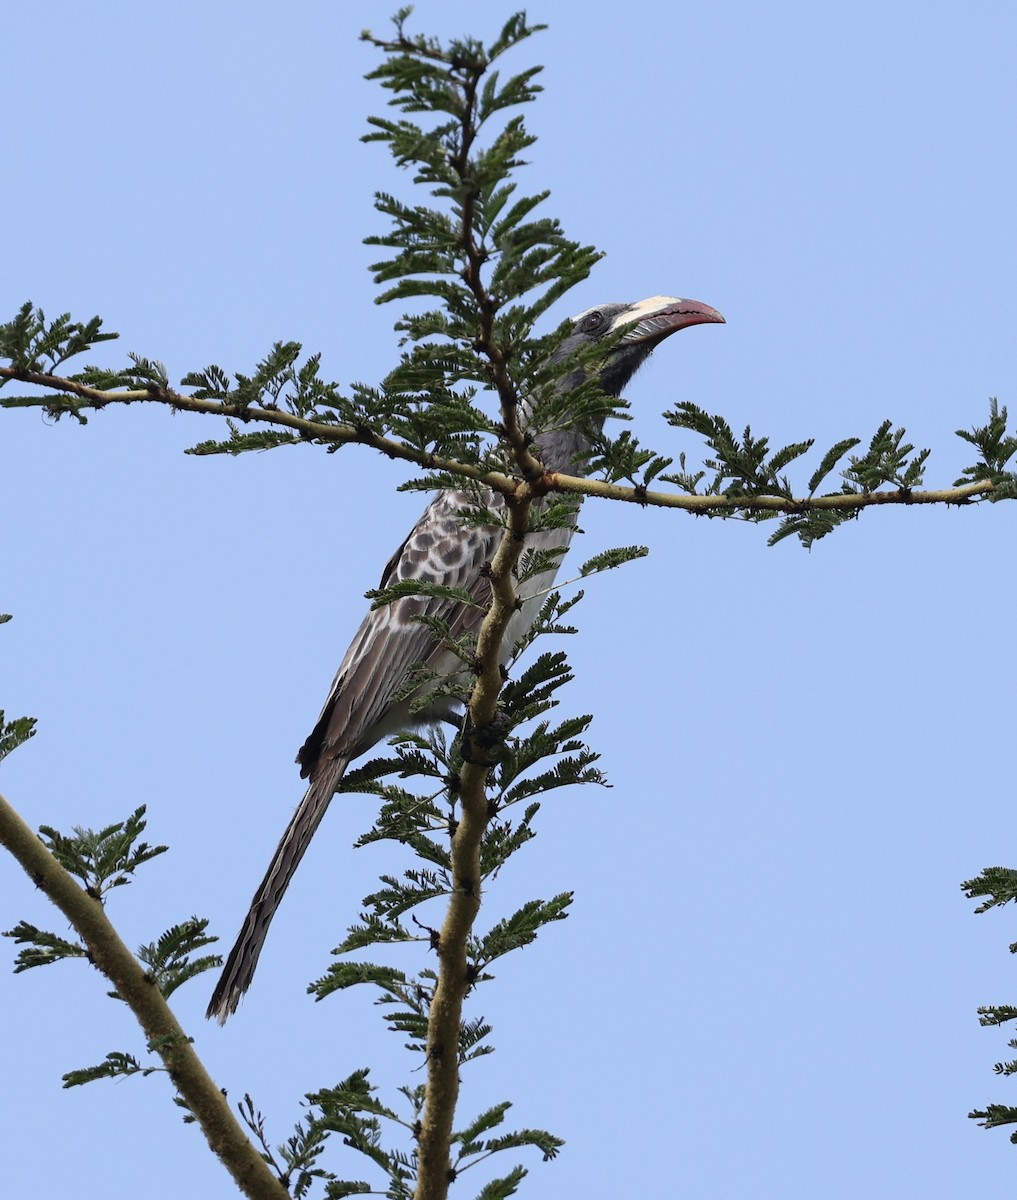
135 986
480 744
479 739
845 502
487 344
316 431
312 431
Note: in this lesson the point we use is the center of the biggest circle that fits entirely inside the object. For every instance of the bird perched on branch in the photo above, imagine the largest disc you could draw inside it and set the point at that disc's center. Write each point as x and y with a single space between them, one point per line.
363 706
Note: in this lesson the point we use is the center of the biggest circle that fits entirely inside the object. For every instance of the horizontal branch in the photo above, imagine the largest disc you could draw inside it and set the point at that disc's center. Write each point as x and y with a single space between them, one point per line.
95 398
134 985
777 504
339 435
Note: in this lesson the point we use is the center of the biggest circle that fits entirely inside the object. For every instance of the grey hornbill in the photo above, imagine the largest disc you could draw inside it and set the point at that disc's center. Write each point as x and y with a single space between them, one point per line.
360 709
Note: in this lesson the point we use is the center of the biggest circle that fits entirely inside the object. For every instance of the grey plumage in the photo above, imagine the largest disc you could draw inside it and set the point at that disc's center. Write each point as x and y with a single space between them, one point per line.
360 709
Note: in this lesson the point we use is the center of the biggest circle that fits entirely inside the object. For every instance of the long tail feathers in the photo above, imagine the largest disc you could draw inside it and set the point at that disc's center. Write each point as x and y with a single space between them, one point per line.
243 958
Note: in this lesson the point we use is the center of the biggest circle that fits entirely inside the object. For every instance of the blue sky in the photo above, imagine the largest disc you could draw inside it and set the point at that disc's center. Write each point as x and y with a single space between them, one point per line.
769 981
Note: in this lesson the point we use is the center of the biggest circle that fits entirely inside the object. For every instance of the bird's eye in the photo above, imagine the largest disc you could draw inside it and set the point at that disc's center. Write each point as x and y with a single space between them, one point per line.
591 322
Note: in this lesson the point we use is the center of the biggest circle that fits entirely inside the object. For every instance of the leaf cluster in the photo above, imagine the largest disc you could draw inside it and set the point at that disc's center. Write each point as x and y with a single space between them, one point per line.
103 860
744 469
14 733
996 447
997 886
352 1110
32 344
18 730
169 959
493 265
36 348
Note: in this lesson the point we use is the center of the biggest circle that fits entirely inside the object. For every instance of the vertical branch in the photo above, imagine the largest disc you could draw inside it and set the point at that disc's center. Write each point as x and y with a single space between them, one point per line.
445 1017
446 1011
475 253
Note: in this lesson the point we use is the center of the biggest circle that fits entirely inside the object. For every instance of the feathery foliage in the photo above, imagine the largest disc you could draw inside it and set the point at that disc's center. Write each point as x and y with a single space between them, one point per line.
996 886
105 858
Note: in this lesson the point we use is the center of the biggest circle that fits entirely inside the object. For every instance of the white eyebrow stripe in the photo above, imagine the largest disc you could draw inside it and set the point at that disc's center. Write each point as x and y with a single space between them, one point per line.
646 308
634 312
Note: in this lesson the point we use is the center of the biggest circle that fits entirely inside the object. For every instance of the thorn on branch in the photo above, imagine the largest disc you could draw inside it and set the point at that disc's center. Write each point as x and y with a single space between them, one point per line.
483 746
160 392
433 935
467 886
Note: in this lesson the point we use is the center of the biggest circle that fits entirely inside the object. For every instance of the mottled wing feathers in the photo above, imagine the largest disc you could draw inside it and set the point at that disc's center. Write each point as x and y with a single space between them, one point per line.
359 709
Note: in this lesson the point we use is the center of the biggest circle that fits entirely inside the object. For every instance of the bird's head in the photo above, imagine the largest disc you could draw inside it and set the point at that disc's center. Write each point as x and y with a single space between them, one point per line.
606 346
628 333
